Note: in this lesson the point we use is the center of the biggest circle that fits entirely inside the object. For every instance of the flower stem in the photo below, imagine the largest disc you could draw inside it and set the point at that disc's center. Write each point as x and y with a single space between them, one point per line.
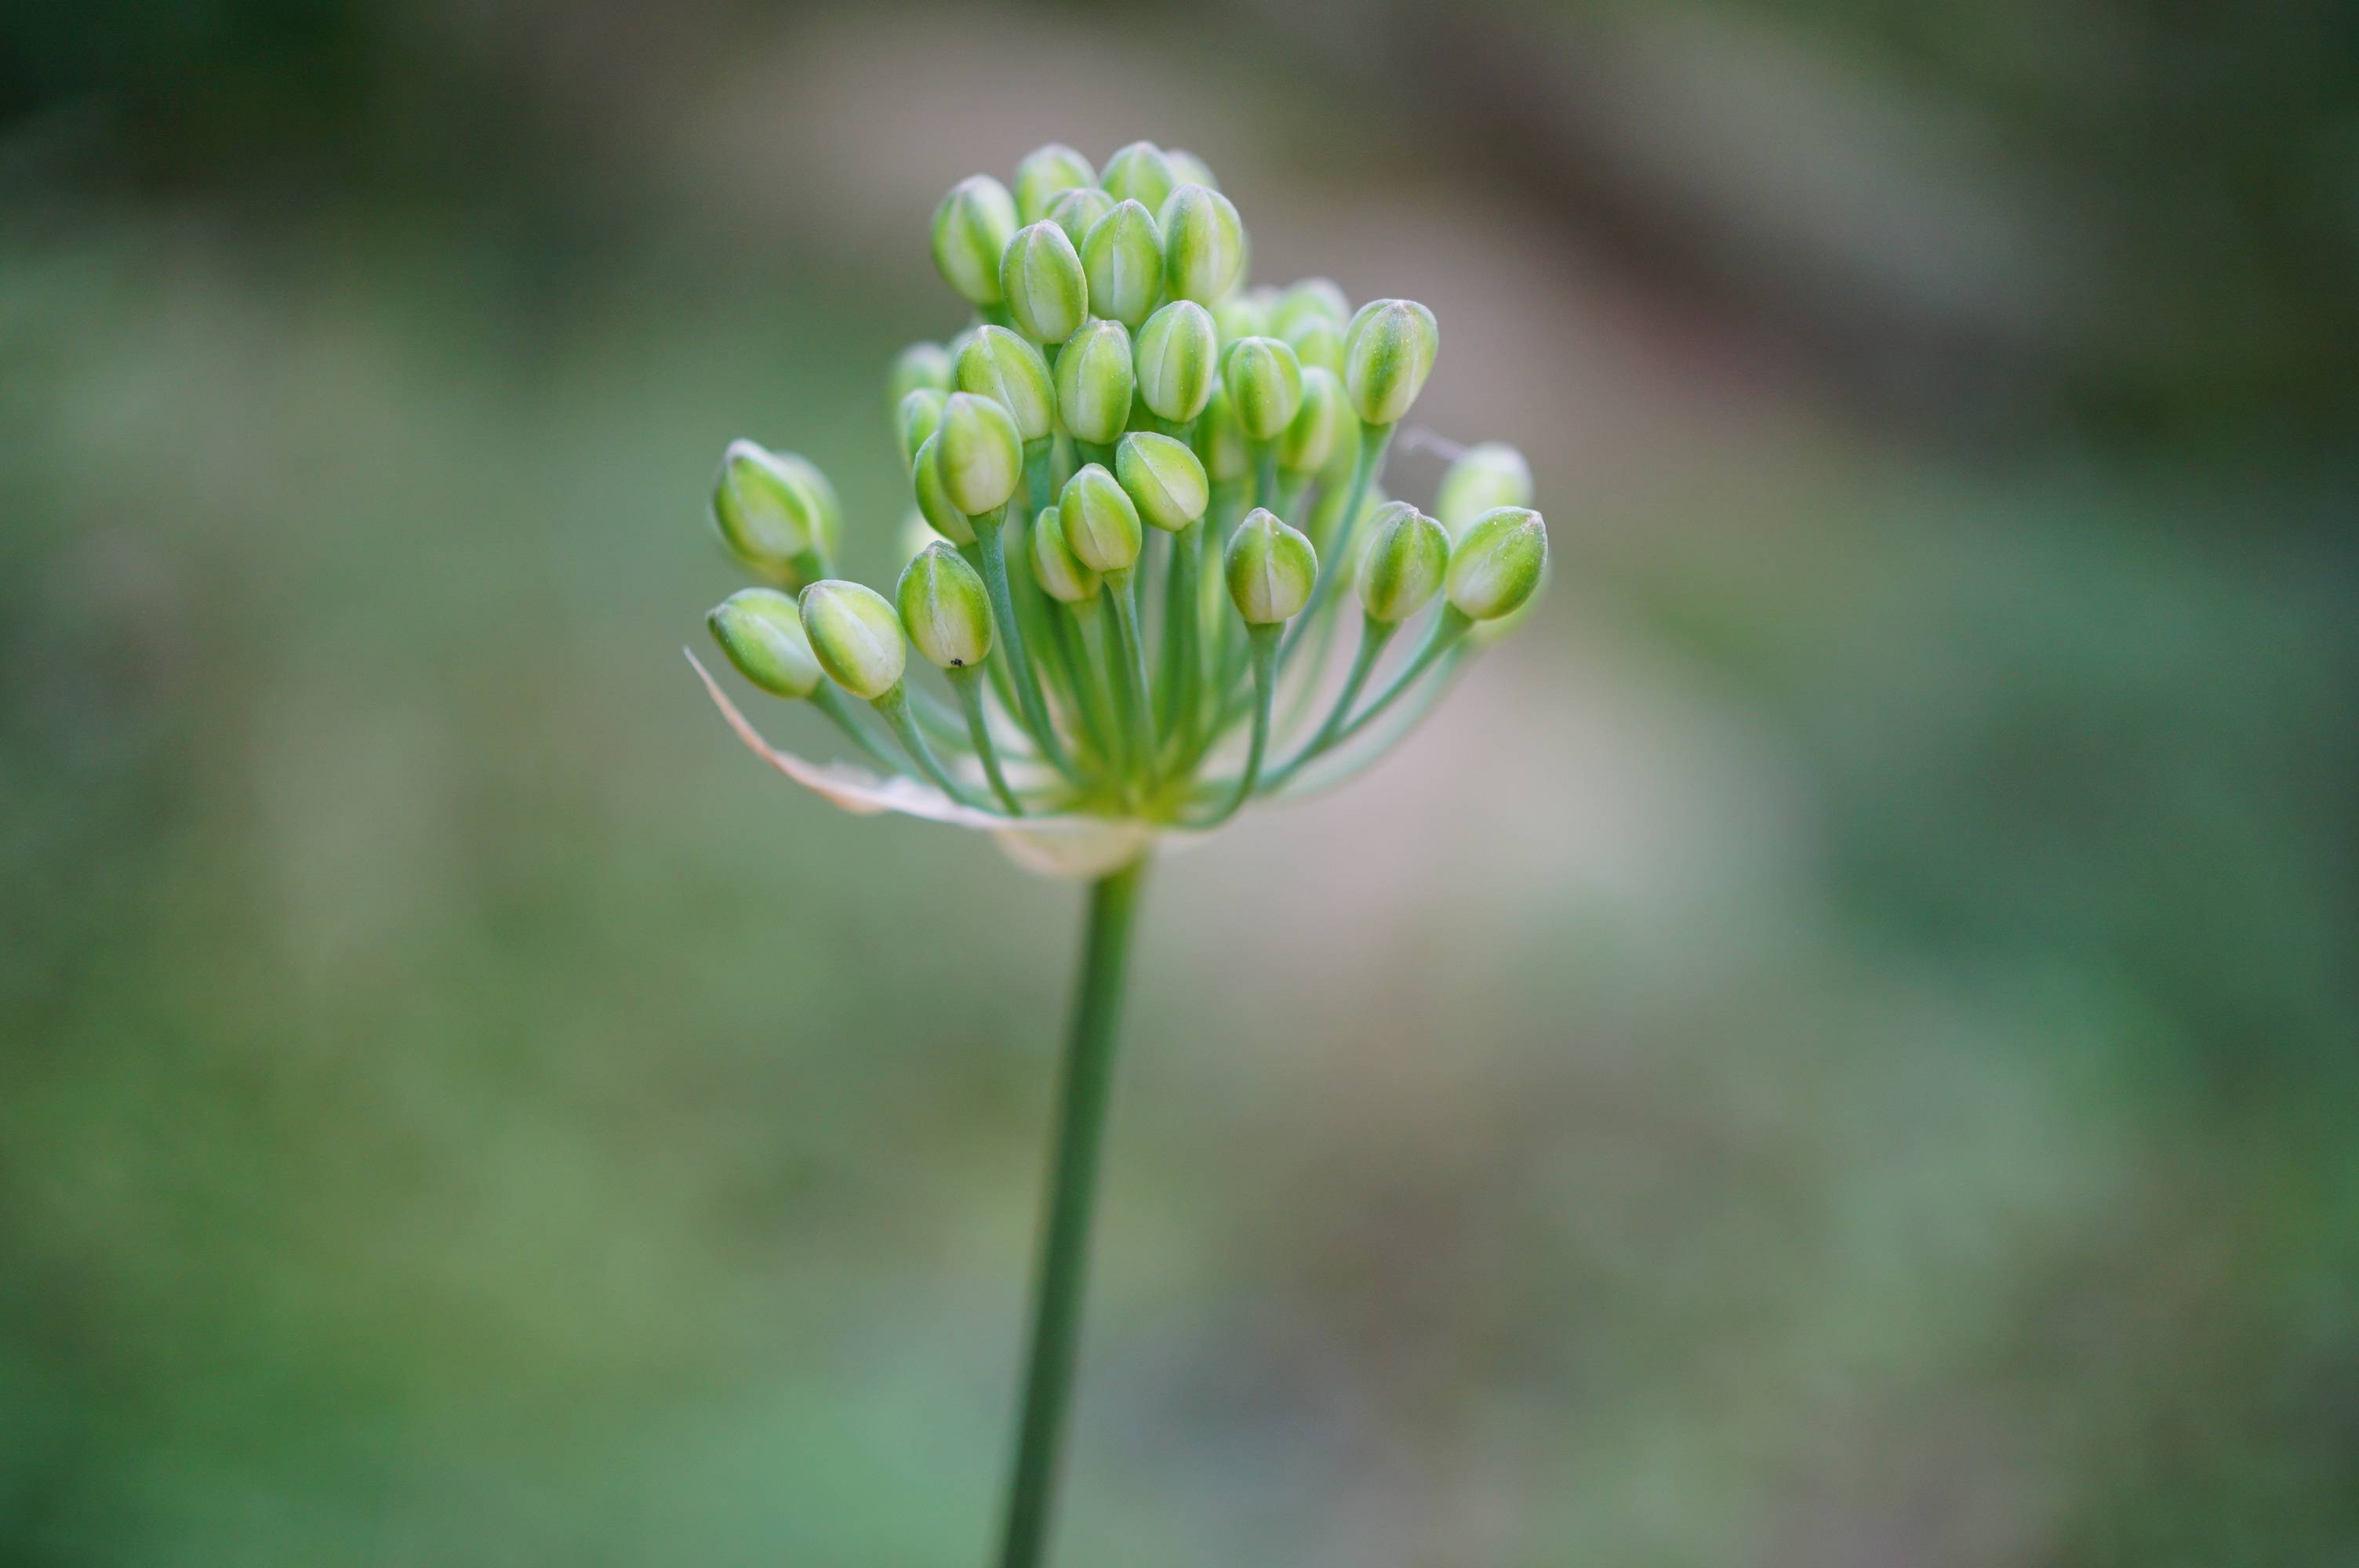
988 532
1064 1262
894 706
1264 675
967 684
1130 678
830 701
1374 635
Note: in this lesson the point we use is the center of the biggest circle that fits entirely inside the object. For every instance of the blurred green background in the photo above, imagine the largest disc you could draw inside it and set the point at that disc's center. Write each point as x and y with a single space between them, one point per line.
1835 1048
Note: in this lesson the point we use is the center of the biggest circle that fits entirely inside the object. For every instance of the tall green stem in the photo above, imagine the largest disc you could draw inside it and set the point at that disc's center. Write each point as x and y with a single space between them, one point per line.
1064 1262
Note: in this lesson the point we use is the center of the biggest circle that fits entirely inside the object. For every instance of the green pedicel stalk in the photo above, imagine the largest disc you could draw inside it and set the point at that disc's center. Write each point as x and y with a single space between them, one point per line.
1263 658
988 532
968 685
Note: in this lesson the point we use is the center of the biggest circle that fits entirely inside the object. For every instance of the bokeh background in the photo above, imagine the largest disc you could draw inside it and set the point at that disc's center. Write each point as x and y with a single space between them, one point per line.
1835 1048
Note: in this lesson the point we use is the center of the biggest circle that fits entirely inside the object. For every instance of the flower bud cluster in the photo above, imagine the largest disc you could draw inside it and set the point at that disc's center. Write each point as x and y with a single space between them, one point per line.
1145 490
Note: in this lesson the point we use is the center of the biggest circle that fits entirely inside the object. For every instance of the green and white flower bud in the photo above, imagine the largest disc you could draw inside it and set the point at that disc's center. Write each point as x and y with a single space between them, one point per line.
1270 569
1163 479
1316 341
972 228
934 503
1189 169
1048 294
979 452
1140 173
1203 243
945 608
1047 173
1058 571
1406 557
1264 383
1311 299
918 365
1308 443
1222 439
1122 257
995 364
1388 352
1101 525
1095 382
1497 562
1482 479
918 417
762 632
1242 314
772 507
1178 353
854 635
1078 211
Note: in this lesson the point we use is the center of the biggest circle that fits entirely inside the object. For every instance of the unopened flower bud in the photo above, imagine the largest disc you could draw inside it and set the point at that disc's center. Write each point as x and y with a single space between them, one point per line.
995 364
1497 562
1308 443
1388 352
1264 383
919 365
944 609
979 452
1122 257
1186 169
1140 173
1484 477
972 228
1078 211
1040 273
1270 569
1203 243
1316 341
1095 382
1177 350
1242 314
1403 563
772 507
1101 526
1163 477
1221 439
1058 571
855 636
1047 173
934 503
762 632
918 417
1312 299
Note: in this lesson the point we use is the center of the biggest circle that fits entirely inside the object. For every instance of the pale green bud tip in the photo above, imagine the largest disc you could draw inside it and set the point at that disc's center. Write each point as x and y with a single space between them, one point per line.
1101 524
1047 294
1490 475
979 452
1312 299
1122 257
762 632
1401 569
1308 441
1060 572
1388 351
1046 174
972 228
1178 353
1077 211
934 503
1189 169
1499 562
919 415
1163 477
1141 173
1264 383
1095 382
1245 315
855 636
919 365
771 507
1270 569
1203 243
993 363
944 609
